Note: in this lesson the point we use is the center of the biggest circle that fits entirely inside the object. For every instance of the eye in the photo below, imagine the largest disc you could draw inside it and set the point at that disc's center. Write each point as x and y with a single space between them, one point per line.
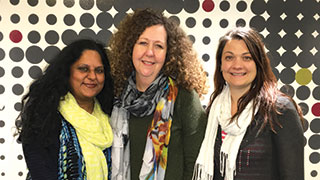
142 42
247 58
99 70
228 58
160 46
83 68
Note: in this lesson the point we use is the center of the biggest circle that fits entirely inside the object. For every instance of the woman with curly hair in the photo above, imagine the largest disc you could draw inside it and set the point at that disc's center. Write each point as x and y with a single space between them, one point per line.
157 120
65 131
254 131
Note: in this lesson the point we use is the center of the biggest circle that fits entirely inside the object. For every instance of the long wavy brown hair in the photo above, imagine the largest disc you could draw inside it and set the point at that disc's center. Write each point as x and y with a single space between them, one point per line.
181 64
263 90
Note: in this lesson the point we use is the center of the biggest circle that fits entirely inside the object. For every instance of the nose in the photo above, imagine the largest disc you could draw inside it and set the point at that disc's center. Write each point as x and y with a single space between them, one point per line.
237 63
92 75
150 50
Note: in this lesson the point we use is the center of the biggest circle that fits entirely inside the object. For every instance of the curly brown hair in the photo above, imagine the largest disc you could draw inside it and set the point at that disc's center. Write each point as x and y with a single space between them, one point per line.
181 64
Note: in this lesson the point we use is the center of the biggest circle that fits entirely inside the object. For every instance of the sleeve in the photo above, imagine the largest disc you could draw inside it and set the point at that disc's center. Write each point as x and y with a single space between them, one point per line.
194 121
39 163
289 143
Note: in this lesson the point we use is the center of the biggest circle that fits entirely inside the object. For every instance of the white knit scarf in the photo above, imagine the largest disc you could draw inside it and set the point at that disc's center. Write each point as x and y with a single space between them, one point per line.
94 133
220 114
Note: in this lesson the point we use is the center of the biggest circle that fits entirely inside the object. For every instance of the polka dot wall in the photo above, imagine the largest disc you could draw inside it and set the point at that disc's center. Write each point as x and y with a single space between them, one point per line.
33 31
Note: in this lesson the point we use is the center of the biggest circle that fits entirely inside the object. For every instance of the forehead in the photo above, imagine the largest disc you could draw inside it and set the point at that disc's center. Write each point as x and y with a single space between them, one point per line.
155 33
235 45
89 57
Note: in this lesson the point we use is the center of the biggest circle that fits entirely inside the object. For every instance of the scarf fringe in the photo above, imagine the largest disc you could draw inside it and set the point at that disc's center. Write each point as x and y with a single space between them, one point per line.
200 174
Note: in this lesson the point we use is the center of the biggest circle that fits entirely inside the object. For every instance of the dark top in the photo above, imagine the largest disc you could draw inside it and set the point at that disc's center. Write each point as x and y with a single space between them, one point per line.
187 132
269 156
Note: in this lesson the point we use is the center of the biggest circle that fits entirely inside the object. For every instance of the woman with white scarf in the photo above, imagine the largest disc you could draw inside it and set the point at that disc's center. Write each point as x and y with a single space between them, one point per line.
254 131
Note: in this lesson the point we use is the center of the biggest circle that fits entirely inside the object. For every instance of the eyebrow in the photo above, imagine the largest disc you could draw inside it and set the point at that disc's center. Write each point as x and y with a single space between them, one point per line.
233 53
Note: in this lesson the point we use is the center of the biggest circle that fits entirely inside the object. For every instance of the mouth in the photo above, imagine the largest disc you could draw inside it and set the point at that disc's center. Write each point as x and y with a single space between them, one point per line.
147 62
90 85
238 74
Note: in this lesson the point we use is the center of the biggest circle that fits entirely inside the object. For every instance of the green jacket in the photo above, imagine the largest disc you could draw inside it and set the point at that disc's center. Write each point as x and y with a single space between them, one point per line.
187 132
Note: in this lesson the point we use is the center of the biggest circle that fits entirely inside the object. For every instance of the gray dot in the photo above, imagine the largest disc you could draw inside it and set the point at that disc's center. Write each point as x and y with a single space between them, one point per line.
50 52
68 36
206 40
104 20
2 123
190 22
16 54
241 6
33 19
258 22
224 5
304 108
2 54
19 157
289 42
175 19
258 6
314 157
207 74
18 106
206 22
191 6
315 125
14 2
314 142
104 5
1 142
52 37
15 18
86 4
35 72
224 23
34 54
68 3
316 76
275 72
271 46
2 157
118 17
241 23
20 173
205 57
288 90
316 93
1 89
274 24
17 72
287 75
305 124
123 5
1 36
291 24
51 3
34 37
32 2
18 123
303 92
174 7
287 57
2 174
87 33
87 20
1 72
51 19
192 38
304 59
103 36
314 173
17 89
69 19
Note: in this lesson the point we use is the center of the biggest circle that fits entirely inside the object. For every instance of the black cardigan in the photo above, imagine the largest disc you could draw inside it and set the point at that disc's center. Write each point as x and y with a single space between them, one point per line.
269 156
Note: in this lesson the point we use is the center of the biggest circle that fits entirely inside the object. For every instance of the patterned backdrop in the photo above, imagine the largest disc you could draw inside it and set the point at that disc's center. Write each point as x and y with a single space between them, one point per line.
33 31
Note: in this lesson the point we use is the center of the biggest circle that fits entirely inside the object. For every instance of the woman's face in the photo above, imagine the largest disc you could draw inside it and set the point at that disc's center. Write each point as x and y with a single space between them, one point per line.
87 76
149 53
237 66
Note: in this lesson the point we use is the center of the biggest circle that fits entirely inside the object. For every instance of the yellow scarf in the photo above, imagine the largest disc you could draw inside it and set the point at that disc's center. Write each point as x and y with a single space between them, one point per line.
94 134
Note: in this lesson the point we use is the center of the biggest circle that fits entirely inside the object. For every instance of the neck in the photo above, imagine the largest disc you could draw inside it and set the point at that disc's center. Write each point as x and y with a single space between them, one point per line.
235 96
143 83
86 105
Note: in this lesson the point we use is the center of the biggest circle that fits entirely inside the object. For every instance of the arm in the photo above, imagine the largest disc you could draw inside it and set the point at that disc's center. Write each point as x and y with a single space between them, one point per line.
194 121
40 161
289 143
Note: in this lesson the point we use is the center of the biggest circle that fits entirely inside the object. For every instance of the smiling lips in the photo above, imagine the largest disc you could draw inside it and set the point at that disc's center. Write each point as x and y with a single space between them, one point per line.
238 74
147 62
90 85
